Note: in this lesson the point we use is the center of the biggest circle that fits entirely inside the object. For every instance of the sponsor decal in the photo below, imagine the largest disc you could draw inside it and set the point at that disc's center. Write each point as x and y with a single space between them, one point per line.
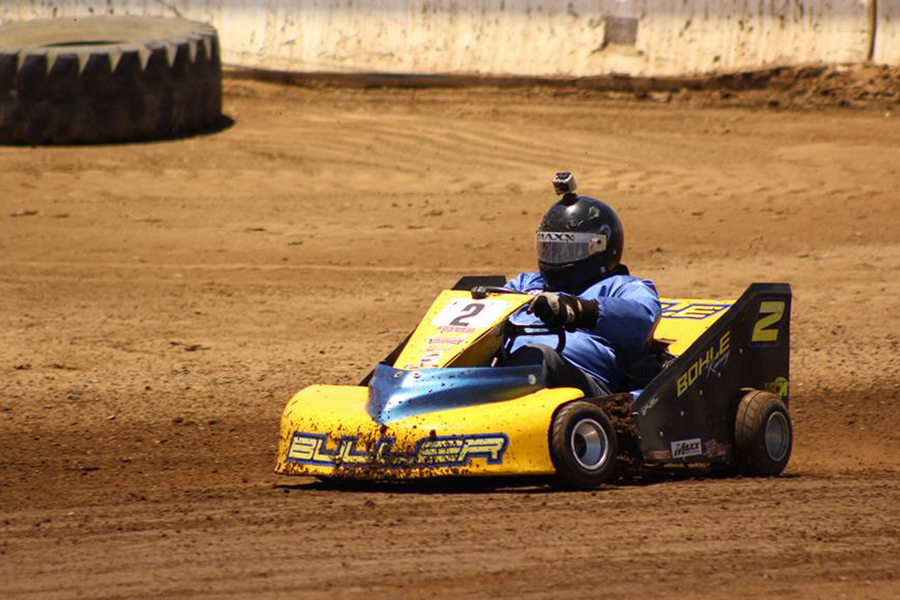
593 242
650 404
557 236
712 361
713 448
431 451
430 359
695 311
686 448
443 341
780 387
449 329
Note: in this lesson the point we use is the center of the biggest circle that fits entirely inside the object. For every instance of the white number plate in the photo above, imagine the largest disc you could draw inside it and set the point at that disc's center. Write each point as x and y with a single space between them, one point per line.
475 314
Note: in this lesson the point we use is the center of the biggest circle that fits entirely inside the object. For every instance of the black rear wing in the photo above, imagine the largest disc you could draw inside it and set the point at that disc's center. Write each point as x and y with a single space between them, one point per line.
695 396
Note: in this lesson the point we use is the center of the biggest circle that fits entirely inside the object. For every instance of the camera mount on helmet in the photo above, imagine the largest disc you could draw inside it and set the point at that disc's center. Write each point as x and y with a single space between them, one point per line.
564 183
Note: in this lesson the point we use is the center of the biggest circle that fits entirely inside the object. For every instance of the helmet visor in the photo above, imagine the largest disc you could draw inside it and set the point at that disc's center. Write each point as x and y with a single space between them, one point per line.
556 248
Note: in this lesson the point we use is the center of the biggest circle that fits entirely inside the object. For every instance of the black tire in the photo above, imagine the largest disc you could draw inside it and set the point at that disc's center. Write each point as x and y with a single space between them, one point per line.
583 446
107 79
763 435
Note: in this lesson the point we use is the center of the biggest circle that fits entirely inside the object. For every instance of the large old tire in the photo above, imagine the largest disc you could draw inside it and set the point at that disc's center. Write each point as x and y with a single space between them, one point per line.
107 79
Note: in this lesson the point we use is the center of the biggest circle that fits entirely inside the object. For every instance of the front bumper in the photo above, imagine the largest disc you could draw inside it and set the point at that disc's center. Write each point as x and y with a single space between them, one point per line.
327 431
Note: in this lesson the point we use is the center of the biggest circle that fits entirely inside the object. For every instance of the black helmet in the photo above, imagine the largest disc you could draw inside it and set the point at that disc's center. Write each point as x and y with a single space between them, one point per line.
579 242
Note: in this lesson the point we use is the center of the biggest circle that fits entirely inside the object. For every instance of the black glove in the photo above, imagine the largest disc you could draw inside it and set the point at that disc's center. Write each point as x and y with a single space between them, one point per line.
561 310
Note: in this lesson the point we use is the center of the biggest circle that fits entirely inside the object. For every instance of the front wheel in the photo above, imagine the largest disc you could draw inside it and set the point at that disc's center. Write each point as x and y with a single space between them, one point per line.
583 446
763 435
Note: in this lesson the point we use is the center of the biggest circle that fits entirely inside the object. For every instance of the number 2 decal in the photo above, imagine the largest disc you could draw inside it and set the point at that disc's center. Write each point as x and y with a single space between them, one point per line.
469 311
470 314
767 327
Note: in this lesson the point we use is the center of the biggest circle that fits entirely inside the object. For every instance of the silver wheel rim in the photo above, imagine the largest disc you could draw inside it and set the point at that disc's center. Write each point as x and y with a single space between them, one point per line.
778 436
589 444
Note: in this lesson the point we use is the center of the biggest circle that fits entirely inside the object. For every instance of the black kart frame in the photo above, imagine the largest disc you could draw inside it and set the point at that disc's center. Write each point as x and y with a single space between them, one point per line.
687 412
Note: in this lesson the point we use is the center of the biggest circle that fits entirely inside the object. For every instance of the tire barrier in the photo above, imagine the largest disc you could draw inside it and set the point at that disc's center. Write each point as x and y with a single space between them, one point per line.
107 79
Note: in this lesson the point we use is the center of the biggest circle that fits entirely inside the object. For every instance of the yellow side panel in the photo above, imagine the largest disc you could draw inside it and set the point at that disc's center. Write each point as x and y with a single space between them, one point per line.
685 319
326 431
452 324
456 322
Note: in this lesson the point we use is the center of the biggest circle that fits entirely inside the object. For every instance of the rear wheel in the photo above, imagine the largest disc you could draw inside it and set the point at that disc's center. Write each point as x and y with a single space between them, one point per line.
763 435
583 446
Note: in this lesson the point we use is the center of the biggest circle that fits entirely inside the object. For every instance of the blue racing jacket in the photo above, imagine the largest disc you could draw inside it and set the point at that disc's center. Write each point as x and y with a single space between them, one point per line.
629 308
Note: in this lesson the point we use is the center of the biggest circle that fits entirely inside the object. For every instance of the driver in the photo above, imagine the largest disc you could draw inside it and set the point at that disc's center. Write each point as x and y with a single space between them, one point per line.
608 315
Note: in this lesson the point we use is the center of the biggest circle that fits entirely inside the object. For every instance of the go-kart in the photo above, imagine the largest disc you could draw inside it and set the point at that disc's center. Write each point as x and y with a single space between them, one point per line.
712 388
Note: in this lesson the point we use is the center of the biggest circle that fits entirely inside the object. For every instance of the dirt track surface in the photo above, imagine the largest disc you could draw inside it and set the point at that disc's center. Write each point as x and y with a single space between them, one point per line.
159 303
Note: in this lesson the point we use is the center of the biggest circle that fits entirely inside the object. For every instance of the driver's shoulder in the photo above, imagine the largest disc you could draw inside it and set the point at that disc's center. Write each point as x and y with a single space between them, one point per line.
615 285
528 281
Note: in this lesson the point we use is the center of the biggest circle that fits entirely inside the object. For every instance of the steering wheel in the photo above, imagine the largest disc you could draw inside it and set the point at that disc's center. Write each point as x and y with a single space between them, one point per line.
480 292
513 330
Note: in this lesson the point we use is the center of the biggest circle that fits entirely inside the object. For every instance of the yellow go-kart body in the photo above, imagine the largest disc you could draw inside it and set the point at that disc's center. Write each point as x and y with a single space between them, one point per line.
436 407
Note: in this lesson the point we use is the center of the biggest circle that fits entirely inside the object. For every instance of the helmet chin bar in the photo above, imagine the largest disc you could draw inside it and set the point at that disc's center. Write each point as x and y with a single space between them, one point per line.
575 277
